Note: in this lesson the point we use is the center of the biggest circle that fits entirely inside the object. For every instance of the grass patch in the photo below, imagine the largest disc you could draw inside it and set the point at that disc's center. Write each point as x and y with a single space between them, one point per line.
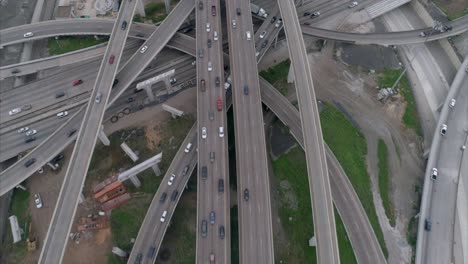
291 174
69 44
410 118
16 253
384 181
278 76
234 235
412 235
350 148
452 9
156 12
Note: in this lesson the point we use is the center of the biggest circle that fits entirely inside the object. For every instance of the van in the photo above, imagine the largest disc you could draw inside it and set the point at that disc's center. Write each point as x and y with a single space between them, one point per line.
212 156
188 147
60 94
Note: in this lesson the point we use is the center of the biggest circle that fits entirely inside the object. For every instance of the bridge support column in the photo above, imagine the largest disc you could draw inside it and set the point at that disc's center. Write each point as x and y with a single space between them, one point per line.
291 77
168 6
134 179
149 92
52 166
276 41
313 242
156 169
168 84
174 111
81 198
140 8
102 136
19 186
129 151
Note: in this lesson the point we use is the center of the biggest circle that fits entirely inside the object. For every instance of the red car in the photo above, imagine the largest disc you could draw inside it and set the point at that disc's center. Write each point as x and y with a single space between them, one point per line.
219 104
77 82
111 59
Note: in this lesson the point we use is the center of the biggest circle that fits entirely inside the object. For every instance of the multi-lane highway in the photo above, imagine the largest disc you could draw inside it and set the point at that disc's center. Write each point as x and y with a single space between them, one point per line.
64 212
322 206
255 222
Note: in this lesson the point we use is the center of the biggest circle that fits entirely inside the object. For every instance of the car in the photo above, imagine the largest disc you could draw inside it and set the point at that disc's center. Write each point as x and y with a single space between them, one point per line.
187 29
220 185
443 129
203 132
124 25
212 156
29 139
116 81
273 19
57 158
248 35
200 53
217 81
26 107
434 174
151 252
139 35
60 94
234 23
208 27
315 14
278 23
98 98
213 10
219 104
163 216
221 232
29 162
139 258
62 114
447 28
215 36
353 4
130 99
111 59
40 170
452 103
15 71
31 132
186 168
427 225
221 132
200 5
171 179
194 62
204 228
71 132
77 82
14 111
208 43
265 43
202 85
246 194
212 258
210 66
188 147
204 172
163 197
307 14
28 34
257 53
173 80
37 200
263 34
307 23
246 90
174 195
212 217
238 11
143 49
23 129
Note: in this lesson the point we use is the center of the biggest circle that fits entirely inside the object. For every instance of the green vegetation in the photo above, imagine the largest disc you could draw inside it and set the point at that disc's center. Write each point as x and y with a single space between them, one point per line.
410 118
234 235
412 234
350 148
156 12
16 253
384 181
453 9
69 44
295 212
278 75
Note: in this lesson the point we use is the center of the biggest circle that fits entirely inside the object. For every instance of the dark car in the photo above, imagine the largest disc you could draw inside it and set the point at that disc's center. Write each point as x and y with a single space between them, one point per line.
138 258
220 185
29 139
246 194
427 225
307 14
15 71
77 82
200 5
111 59
204 172
124 25
202 85
212 217
211 115
217 81
246 90
29 162
184 172
221 232
213 10
264 44
58 158
204 228
212 156
60 94
131 99
238 11
209 43
163 197
116 81
151 252
273 19
71 132
174 195
447 28
200 53
26 107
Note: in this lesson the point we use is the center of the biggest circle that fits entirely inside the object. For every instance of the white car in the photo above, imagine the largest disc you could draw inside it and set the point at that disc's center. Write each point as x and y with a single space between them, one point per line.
62 114
163 216
38 200
278 23
171 179
452 103
434 174
221 132
215 36
23 129
31 132
353 4
14 111
443 129
40 170
28 34
98 98
248 35
210 66
234 24
208 27
143 49
203 132
262 35
257 53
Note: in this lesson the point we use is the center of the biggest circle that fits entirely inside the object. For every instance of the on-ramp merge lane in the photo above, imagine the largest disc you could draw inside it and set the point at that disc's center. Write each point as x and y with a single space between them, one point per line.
319 183
62 218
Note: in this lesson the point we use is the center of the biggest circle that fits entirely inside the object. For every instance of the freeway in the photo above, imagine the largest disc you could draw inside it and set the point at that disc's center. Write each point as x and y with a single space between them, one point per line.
255 221
152 230
439 202
57 235
213 206
319 184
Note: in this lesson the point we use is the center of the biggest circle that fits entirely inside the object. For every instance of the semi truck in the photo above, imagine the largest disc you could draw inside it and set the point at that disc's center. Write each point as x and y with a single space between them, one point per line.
256 10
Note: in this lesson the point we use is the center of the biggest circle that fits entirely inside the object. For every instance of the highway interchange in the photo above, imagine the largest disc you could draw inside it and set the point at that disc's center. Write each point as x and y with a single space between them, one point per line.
239 74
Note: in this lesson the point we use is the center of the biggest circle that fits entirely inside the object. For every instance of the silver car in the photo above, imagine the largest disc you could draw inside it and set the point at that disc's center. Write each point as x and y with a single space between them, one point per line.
31 132
203 132
37 200
15 111
23 129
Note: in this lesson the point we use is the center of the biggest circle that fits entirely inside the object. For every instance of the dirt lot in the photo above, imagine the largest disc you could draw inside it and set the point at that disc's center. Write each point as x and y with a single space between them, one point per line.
453 8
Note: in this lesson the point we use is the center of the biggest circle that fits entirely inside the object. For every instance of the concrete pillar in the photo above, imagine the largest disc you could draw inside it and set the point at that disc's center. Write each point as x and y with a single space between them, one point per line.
81 198
19 186
156 169
149 92
129 151
102 136
168 6
291 77
313 242
168 84
140 8
276 41
52 166
134 179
